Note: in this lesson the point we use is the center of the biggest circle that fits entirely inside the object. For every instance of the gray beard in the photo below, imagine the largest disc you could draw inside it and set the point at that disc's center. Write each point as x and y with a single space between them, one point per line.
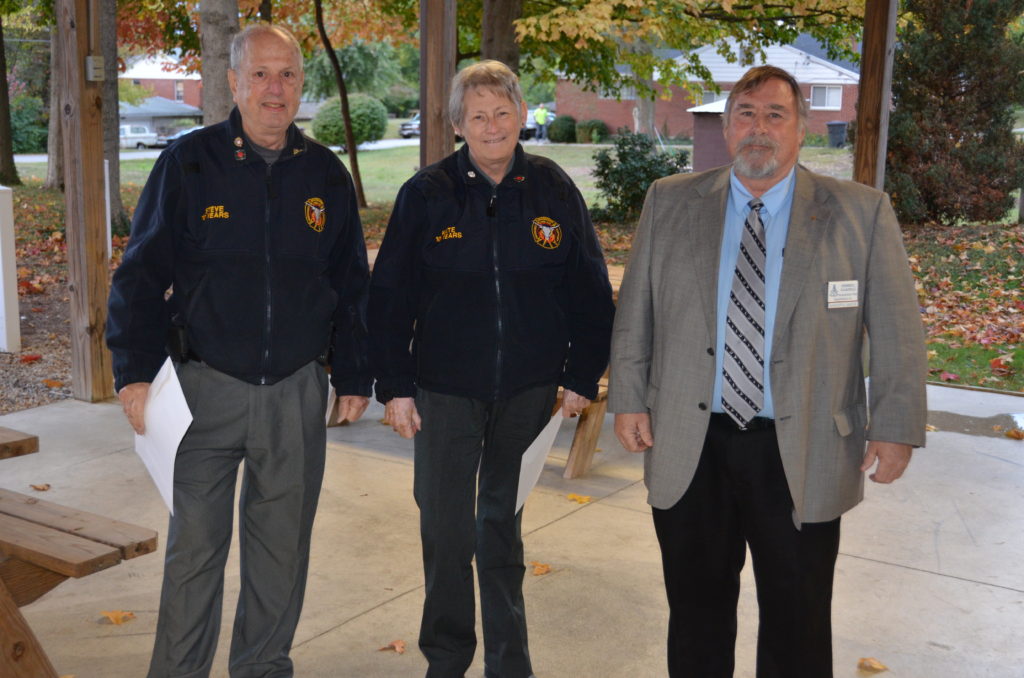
760 168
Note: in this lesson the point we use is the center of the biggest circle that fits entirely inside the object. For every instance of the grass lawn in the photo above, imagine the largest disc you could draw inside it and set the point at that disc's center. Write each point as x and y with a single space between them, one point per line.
968 277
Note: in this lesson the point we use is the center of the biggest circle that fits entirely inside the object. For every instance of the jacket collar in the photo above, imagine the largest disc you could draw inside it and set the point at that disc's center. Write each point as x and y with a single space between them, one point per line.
242 150
517 175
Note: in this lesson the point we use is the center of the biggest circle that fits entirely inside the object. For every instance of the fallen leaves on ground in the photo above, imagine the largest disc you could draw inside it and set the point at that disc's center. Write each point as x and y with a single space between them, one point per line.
578 498
931 428
871 665
30 358
396 646
42 487
540 568
53 383
1015 433
118 617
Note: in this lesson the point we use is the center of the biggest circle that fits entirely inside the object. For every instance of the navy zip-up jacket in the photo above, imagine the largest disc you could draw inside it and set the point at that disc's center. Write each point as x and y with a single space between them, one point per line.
482 291
263 261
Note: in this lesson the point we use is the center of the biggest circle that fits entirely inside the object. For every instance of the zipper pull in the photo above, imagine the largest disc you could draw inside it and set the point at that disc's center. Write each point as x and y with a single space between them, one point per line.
491 206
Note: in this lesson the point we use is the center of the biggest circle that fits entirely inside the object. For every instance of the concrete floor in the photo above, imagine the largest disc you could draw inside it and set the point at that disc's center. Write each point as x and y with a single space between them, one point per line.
930 578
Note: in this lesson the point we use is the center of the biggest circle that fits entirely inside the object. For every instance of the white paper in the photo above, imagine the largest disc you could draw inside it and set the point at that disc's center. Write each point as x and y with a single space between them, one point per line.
167 417
534 457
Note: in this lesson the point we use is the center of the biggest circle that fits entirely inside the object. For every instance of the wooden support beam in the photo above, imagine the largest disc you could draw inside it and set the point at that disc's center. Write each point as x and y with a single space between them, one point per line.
27 582
437 66
21 655
88 264
15 443
874 93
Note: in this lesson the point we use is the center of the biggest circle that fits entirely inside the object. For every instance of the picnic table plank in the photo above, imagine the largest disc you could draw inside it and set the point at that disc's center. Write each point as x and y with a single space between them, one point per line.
53 549
131 540
21 655
15 443
27 582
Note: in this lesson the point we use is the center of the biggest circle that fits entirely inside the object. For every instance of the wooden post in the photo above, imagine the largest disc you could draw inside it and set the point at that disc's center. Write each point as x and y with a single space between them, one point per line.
874 93
21 655
10 318
437 66
88 264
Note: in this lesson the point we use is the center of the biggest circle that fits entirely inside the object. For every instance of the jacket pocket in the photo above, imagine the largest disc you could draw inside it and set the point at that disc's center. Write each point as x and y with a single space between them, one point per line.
850 419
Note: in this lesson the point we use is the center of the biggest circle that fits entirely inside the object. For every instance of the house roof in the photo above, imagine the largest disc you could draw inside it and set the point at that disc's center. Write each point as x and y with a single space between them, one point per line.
713 107
158 107
154 68
805 67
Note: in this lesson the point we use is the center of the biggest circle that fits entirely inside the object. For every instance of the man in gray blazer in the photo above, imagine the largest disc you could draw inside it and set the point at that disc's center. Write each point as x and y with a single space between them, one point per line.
737 370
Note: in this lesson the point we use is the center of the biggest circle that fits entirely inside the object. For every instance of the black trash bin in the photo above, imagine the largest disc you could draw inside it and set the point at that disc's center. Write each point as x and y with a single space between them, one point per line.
836 133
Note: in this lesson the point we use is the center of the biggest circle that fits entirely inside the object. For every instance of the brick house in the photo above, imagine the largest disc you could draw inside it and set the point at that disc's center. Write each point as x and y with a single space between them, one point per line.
162 75
830 88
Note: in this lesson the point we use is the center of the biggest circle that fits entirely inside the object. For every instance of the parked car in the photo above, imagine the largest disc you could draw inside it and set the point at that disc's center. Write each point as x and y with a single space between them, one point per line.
166 140
410 128
137 135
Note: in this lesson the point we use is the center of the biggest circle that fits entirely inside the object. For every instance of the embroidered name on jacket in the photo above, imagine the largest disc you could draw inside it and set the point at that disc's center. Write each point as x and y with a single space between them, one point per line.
448 234
316 214
216 212
546 232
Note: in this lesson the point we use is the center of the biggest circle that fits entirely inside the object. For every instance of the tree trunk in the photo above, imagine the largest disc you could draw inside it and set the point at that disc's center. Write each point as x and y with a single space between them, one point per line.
218 23
498 38
8 172
645 115
111 114
350 139
266 11
54 143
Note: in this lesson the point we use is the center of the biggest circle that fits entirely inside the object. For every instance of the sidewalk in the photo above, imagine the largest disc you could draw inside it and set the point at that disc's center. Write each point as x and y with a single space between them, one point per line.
929 580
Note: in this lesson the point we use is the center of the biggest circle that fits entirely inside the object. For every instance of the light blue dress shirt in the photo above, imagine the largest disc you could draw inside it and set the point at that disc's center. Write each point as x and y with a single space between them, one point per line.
778 203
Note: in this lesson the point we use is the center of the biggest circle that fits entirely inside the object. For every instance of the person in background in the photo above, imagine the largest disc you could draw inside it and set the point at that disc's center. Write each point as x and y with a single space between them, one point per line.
540 116
255 228
736 369
489 292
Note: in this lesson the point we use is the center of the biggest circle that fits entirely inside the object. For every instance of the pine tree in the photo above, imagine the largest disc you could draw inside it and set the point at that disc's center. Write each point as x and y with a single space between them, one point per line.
956 79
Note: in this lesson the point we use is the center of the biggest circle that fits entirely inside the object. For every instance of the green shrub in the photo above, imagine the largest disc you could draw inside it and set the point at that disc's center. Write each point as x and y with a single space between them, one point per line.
401 100
816 140
626 172
587 129
369 120
28 124
562 130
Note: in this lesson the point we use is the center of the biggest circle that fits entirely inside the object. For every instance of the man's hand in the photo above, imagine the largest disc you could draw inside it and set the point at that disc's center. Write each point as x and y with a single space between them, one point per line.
351 407
133 401
634 431
573 403
402 415
892 458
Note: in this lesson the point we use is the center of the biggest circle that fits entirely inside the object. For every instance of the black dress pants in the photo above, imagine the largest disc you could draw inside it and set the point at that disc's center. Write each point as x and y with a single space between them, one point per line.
739 497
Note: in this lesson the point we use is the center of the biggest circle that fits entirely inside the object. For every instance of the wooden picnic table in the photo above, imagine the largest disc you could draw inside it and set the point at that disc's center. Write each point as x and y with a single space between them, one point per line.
41 545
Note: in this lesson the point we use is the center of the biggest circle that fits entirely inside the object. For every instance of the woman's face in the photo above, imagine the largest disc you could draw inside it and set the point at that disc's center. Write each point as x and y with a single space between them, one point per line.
490 125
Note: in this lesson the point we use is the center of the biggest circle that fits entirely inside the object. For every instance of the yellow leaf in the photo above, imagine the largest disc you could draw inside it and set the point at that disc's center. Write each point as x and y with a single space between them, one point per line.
118 617
579 498
396 646
41 487
53 383
930 427
540 568
1015 433
871 665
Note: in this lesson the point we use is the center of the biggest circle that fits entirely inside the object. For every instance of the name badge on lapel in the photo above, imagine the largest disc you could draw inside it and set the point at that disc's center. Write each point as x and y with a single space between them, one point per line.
842 294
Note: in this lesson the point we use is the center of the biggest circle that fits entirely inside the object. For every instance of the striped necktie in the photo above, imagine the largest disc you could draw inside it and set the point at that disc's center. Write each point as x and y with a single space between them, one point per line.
743 363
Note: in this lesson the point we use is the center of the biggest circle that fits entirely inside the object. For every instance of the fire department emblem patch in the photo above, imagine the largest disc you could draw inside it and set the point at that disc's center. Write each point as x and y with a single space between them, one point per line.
546 232
316 214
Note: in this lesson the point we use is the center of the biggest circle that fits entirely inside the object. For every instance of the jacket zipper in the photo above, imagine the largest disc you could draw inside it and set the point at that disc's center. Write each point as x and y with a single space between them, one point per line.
492 212
266 254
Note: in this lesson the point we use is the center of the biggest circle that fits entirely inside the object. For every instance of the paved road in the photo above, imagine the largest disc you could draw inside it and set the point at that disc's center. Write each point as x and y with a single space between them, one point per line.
154 152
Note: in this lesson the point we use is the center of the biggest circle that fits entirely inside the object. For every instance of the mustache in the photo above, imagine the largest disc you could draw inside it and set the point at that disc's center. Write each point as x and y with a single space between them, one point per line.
757 140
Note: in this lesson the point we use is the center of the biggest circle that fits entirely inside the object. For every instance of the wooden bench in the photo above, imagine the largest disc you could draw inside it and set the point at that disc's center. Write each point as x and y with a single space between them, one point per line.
41 545
15 443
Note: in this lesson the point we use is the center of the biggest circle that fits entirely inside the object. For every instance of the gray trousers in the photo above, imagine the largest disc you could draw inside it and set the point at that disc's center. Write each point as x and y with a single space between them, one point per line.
467 458
279 432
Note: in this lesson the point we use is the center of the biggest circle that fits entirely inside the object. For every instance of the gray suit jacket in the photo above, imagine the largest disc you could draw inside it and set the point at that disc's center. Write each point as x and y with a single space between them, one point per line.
662 345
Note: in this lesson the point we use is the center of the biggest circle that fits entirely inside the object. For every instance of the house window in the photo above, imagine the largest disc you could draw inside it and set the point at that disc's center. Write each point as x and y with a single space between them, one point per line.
626 93
710 97
827 97
179 90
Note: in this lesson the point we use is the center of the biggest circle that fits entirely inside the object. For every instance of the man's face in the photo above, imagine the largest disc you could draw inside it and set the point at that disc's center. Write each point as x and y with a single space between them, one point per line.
764 133
266 87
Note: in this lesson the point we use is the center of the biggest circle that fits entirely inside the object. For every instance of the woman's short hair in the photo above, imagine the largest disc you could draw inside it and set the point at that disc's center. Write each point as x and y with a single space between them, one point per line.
489 74
756 77
240 43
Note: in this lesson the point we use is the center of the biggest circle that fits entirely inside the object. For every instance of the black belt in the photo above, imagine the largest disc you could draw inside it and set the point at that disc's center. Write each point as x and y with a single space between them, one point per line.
755 424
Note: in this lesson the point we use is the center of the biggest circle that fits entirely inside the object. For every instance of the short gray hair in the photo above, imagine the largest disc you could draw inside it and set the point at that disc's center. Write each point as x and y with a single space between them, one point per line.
240 43
756 77
489 74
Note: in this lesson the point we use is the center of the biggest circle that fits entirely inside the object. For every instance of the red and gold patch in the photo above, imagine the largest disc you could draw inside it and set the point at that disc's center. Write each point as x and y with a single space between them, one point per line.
546 232
316 214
